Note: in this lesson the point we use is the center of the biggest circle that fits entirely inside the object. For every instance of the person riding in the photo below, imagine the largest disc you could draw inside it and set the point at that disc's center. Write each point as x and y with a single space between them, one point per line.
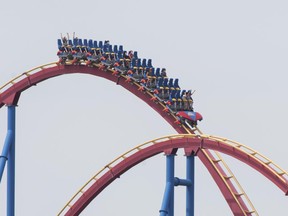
163 73
189 100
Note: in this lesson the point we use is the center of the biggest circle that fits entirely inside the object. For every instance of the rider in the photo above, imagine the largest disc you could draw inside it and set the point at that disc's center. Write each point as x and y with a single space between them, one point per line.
187 101
163 73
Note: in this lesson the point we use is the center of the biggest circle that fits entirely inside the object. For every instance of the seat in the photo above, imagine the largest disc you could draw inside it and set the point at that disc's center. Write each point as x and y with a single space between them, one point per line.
176 85
115 49
85 45
95 45
138 63
178 100
173 100
90 44
171 84
157 73
144 63
110 48
172 96
75 42
177 94
165 84
85 42
163 73
120 55
80 43
105 49
135 55
100 44
60 45
182 93
153 73
149 63
133 63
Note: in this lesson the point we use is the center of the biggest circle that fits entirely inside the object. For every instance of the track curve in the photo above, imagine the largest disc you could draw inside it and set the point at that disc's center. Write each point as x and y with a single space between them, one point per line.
11 92
142 152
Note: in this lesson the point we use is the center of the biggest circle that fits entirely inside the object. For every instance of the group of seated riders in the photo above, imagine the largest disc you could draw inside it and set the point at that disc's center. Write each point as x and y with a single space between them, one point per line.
128 64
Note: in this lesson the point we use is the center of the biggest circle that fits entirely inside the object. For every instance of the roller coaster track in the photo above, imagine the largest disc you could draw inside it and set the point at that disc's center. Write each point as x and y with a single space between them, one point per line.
226 181
189 142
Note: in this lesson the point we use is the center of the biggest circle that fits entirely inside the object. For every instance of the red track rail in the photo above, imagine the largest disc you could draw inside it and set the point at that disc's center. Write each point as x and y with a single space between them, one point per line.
12 94
189 144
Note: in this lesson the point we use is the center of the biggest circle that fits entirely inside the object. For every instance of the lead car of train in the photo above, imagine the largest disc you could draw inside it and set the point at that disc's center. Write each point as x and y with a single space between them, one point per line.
127 63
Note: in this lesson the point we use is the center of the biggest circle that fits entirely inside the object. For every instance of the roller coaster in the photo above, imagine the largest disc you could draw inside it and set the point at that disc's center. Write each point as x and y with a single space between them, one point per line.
166 90
166 97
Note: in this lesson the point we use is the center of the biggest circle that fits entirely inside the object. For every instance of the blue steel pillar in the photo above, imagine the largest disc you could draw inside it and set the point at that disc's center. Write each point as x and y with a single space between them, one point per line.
167 208
8 153
190 175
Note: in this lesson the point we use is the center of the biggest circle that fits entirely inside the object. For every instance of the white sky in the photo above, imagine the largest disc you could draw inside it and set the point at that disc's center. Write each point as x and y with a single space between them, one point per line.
234 53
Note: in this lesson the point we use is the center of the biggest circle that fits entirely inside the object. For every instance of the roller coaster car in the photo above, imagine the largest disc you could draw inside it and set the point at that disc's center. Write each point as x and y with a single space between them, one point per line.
189 116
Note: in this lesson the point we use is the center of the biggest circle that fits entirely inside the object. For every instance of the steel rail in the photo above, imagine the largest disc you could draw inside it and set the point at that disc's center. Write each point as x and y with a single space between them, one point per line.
142 147
263 160
182 128
42 67
26 74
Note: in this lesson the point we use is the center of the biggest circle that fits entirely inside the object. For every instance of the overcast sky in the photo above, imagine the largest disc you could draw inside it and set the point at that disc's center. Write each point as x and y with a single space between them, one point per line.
233 53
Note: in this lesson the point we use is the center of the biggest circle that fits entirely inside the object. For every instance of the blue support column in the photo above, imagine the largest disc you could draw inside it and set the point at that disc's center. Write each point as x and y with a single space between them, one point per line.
8 153
11 164
5 152
190 172
10 139
167 208
170 179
